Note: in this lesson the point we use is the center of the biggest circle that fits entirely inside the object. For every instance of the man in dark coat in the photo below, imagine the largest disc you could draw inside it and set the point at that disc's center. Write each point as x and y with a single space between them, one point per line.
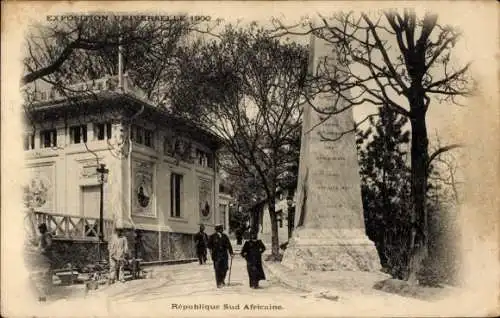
239 236
201 241
220 248
252 251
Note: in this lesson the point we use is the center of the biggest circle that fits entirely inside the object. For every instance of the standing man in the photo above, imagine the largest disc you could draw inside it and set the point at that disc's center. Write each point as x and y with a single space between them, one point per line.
40 261
239 235
201 241
221 248
118 252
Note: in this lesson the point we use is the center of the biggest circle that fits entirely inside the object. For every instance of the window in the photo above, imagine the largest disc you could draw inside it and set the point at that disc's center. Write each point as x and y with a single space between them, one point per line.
175 195
29 142
142 136
167 146
204 158
222 209
52 93
78 134
210 160
48 138
148 138
102 131
137 134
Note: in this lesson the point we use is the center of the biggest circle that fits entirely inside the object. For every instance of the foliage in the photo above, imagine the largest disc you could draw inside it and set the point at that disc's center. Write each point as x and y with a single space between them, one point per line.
397 60
238 218
247 87
83 50
385 175
385 187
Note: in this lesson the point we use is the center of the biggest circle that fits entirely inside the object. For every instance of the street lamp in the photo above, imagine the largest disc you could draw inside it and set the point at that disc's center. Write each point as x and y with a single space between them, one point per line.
102 178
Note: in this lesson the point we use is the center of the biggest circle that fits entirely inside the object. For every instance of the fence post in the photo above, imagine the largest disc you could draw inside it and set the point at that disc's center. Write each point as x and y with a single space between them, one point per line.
66 226
46 218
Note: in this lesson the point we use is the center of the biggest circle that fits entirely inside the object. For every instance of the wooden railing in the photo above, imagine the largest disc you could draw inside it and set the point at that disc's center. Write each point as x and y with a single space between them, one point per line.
67 226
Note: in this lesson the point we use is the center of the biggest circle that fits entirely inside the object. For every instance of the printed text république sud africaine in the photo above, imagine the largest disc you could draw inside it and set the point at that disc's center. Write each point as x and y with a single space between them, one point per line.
207 307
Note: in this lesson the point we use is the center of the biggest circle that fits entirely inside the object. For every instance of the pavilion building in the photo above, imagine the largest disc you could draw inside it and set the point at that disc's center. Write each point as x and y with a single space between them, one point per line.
162 179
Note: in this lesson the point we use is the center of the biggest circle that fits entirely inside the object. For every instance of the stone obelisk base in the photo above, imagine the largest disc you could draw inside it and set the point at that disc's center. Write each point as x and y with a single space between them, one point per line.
331 250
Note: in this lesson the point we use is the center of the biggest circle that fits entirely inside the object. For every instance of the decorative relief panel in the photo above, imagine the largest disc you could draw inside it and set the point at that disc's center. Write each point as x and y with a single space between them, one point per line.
169 144
178 147
39 191
143 188
118 144
205 197
88 169
185 150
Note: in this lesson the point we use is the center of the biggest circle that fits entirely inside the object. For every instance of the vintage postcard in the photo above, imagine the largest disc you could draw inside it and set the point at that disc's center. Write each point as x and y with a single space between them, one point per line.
250 159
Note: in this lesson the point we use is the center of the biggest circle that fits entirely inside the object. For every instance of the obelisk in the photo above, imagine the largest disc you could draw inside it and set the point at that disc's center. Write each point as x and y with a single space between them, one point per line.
330 232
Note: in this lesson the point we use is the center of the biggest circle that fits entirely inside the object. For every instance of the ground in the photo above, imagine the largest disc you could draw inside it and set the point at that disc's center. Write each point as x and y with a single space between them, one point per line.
189 290
176 289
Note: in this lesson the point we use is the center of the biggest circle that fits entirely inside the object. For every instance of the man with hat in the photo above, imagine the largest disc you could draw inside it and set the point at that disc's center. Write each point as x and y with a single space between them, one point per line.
200 240
118 252
220 248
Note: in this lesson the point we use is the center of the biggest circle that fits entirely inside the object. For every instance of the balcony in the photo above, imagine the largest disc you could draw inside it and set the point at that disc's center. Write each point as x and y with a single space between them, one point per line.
67 227
109 83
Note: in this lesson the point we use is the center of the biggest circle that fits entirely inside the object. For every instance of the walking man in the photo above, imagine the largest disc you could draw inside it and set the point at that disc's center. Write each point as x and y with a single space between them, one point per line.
201 241
252 252
118 252
220 248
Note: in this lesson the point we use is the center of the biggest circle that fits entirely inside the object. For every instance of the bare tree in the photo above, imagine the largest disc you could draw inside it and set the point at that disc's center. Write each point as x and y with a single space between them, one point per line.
400 61
247 88
66 60
69 51
444 171
60 55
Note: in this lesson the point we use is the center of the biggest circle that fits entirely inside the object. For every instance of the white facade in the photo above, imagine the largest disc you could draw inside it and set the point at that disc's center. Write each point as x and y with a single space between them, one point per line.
162 176
225 201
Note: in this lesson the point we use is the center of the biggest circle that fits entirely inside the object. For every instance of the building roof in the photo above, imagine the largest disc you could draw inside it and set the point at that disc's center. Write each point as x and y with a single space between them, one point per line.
101 96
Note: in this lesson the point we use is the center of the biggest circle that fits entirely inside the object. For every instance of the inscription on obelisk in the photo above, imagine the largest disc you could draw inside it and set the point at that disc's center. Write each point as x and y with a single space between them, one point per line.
330 232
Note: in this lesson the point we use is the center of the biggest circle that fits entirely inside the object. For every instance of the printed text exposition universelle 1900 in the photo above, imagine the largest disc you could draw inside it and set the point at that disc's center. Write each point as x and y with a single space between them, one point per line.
94 17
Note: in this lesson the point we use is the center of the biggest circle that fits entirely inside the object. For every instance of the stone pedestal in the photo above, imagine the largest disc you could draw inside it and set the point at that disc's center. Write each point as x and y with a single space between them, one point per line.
330 233
348 250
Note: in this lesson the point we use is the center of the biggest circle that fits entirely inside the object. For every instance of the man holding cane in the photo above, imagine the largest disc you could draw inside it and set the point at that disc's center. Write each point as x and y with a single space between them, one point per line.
220 248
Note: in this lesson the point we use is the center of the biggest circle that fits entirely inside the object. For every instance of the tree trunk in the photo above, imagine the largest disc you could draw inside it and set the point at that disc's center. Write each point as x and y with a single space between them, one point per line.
275 244
419 158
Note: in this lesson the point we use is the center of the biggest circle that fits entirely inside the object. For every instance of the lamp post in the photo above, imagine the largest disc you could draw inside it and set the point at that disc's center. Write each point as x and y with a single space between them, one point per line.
102 177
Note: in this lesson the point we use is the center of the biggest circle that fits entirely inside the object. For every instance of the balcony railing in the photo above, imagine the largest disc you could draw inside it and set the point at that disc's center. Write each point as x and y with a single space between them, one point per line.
67 226
108 83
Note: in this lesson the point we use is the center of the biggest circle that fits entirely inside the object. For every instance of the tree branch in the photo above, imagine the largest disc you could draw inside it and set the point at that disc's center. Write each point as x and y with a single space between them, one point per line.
440 151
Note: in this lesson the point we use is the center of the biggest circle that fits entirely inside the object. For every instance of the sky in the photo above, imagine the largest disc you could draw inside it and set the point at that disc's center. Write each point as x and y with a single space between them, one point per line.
440 114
